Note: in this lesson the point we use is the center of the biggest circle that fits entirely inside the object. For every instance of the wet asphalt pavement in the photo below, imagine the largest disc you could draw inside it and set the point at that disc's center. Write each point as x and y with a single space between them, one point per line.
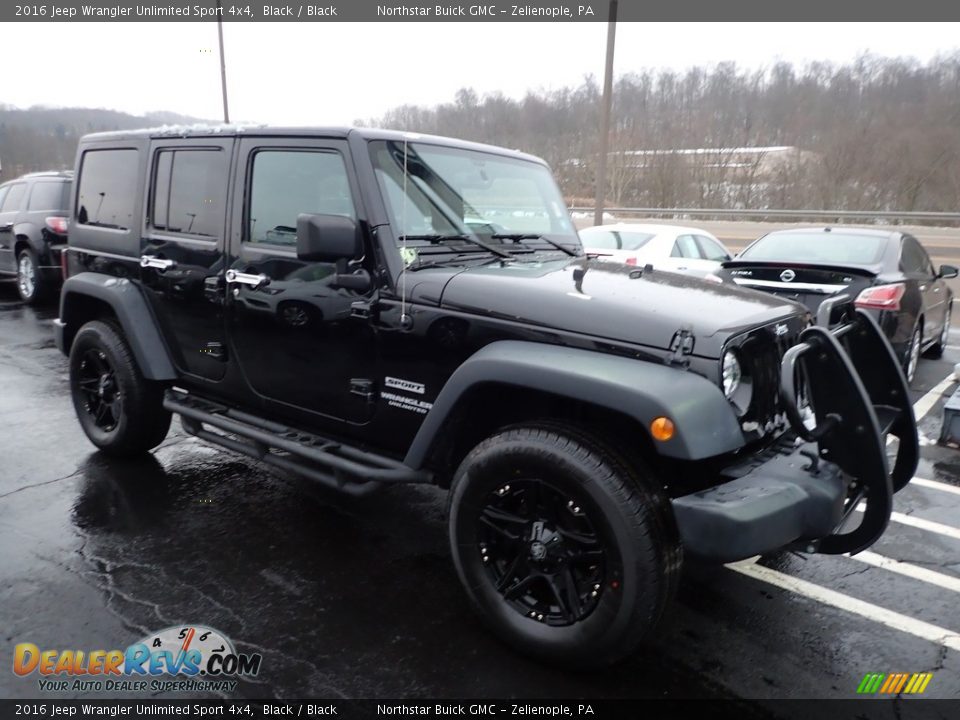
358 598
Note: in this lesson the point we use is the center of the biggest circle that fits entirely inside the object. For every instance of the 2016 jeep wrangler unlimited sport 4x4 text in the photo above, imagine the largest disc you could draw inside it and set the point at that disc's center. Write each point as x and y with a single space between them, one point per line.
369 308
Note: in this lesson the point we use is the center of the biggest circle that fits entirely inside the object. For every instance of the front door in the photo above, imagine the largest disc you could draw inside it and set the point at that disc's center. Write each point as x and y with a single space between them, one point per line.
182 262
302 342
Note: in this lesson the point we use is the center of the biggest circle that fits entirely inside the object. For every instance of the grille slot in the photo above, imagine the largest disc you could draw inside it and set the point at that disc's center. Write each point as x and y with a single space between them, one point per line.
763 352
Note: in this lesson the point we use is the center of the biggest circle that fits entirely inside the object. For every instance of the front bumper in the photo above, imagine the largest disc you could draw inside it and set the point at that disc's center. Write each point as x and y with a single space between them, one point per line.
803 492
766 506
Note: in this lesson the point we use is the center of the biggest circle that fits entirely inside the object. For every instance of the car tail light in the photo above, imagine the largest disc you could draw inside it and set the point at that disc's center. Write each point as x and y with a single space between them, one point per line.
881 297
631 261
57 225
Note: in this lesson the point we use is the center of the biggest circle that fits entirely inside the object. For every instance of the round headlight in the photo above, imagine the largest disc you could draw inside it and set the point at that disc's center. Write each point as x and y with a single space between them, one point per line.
732 374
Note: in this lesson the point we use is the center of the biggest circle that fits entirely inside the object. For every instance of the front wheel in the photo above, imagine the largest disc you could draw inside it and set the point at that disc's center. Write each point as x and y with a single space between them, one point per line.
119 410
566 550
938 349
912 360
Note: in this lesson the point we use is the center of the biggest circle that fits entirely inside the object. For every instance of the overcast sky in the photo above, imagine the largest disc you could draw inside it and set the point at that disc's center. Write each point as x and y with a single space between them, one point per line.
318 73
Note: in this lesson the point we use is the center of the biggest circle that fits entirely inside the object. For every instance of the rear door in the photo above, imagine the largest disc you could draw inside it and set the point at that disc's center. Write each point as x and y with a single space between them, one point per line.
182 262
13 200
916 265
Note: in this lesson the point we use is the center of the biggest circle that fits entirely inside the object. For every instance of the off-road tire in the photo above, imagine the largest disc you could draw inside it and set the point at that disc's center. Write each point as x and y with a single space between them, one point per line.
141 423
622 500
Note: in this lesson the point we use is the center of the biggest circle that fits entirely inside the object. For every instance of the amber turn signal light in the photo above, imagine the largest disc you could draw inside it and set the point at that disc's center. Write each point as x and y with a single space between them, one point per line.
662 428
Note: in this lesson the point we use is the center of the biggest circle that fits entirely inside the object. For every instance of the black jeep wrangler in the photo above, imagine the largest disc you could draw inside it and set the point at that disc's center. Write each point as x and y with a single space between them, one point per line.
369 308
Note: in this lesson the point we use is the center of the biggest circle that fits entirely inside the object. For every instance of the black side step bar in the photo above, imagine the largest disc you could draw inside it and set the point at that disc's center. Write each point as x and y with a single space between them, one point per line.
330 463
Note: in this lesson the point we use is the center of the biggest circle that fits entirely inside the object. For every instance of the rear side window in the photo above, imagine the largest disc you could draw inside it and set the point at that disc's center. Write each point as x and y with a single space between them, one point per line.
289 182
711 250
109 181
686 247
49 196
913 258
189 192
599 239
14 197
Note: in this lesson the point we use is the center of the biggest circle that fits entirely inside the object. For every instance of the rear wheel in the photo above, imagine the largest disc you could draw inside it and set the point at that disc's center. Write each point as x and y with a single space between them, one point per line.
31 284
119 410
562 546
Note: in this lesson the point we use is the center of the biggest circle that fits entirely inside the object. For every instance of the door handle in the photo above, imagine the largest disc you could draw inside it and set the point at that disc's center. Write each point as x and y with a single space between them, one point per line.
239 278
161 264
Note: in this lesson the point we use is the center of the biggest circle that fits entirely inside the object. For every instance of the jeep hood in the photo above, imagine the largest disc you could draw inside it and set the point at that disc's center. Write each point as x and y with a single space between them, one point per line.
614 302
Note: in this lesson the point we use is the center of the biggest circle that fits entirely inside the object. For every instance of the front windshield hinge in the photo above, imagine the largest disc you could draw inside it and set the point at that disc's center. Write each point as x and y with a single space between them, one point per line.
681 347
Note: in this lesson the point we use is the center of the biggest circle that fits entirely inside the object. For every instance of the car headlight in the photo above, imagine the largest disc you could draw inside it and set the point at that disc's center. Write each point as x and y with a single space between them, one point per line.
732 374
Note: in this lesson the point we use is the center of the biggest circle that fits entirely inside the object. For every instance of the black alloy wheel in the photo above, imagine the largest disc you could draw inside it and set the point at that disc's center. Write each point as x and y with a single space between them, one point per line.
120 411
102 397
543 552
566 546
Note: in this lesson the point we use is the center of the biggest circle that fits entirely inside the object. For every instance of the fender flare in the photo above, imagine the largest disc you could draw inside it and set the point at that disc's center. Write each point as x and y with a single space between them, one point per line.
706 424
133 313
30 234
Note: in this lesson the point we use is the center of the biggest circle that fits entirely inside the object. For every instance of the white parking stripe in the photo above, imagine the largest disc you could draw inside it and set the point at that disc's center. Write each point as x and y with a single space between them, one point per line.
928 525
922 406
875 613
947 582
934 485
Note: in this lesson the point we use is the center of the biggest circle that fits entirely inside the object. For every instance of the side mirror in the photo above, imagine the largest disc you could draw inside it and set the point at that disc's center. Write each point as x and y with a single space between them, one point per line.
327 238
948 271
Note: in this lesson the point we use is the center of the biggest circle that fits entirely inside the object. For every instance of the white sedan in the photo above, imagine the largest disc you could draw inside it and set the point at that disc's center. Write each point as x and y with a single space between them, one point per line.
666 247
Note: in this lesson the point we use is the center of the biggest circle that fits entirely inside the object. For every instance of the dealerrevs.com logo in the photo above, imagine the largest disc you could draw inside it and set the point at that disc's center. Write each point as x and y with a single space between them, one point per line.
183 657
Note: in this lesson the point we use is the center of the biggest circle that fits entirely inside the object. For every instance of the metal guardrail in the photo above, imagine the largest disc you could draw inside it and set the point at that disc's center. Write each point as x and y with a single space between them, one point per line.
740 213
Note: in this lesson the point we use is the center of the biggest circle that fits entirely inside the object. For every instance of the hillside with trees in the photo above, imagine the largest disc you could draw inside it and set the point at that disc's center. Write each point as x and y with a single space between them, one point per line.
875 134
42 138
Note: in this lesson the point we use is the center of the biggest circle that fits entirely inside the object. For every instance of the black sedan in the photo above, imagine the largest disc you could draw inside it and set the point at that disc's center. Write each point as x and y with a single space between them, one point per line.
885 271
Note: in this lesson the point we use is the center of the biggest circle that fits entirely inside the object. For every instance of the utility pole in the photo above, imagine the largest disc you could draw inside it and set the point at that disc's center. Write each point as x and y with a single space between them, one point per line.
607 102
223 63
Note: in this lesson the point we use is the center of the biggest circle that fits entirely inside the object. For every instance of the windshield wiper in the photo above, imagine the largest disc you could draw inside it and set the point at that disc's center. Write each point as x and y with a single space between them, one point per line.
518 237
458 258
436 238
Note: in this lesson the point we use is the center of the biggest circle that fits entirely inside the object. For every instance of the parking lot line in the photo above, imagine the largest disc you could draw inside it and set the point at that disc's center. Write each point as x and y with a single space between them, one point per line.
947 582
928 525
889 618
922 406
934 485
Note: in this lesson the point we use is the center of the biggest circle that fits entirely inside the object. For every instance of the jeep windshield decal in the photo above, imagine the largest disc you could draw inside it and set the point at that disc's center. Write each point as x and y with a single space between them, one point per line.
452 194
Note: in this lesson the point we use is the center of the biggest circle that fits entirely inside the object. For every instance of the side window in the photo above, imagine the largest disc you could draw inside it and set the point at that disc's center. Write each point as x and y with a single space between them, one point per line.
109 181
686 247
913 258
46 196
601 240
286 183
711 249
12 201
189 192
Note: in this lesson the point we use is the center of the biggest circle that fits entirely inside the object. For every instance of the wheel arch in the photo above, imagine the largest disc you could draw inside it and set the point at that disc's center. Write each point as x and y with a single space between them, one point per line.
511 381
90 296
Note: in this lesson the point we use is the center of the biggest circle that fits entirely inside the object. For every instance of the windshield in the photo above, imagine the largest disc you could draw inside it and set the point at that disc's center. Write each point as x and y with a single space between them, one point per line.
456 192
600 239
817 248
